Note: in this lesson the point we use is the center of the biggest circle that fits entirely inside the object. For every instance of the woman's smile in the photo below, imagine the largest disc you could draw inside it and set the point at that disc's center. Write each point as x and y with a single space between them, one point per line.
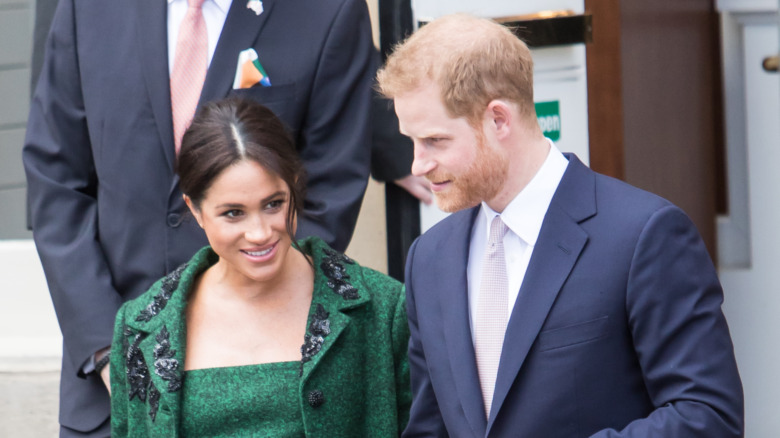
261 254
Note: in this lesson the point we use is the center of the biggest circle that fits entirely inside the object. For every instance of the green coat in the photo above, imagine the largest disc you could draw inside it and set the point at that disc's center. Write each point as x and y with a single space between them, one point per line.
355 374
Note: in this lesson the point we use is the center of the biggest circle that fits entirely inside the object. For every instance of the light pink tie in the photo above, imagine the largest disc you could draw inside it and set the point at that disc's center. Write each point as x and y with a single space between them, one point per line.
189 69
491 321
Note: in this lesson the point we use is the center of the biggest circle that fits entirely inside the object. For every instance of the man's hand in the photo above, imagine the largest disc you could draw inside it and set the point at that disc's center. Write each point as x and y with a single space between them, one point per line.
418 186
105 374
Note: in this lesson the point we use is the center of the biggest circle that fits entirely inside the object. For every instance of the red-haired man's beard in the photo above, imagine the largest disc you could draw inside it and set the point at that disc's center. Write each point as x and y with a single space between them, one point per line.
481 181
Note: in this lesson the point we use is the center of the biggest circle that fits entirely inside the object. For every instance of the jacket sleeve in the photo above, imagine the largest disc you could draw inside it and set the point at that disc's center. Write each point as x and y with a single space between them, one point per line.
62 187
680 335
400 345
424 417
119 388
336 137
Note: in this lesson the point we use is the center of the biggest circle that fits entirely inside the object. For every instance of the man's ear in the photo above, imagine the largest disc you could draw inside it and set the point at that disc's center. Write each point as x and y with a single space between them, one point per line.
500 116
193 209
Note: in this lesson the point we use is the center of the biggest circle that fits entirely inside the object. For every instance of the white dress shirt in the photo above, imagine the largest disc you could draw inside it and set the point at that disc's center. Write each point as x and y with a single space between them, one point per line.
523 216
214 13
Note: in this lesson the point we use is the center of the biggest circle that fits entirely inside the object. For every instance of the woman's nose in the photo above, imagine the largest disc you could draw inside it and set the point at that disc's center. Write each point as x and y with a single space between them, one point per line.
258 231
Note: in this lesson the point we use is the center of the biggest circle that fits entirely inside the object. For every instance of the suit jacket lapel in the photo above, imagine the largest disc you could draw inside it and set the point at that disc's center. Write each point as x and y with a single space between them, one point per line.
152 34
241 29
453 288
558 247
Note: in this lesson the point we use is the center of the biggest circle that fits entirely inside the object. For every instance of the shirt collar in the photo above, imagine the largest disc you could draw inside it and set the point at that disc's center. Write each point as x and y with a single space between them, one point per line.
223 5
525 213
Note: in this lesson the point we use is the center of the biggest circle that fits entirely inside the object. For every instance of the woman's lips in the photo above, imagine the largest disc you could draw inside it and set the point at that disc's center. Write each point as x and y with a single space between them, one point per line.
262 253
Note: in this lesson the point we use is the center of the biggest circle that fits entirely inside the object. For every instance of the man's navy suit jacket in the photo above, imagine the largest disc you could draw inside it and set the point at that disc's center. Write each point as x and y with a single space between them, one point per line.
107 213
617 330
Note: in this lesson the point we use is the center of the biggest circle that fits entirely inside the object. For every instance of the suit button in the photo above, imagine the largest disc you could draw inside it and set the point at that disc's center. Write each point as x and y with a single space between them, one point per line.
174 220
316 399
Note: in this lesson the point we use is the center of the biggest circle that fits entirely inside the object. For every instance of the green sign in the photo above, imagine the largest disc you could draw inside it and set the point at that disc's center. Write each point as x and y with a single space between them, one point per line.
549 116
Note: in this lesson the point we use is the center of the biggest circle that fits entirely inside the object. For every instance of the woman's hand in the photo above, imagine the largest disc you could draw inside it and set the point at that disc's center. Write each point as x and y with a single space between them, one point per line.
105 372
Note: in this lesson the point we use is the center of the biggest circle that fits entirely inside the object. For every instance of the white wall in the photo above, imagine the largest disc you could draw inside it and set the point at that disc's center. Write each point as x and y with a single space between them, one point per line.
30 338
749 238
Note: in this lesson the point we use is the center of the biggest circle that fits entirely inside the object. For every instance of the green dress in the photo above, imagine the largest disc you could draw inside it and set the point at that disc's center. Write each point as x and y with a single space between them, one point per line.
250 400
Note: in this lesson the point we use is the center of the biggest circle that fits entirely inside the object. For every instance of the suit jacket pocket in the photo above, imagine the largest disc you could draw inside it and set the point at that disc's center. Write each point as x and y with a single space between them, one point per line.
573 334
267 95
278 98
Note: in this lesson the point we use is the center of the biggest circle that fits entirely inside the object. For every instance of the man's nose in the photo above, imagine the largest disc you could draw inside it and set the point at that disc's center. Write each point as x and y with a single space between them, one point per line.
423 163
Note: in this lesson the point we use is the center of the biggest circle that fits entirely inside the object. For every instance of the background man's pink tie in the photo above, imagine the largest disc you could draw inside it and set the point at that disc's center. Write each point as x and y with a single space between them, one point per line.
189 69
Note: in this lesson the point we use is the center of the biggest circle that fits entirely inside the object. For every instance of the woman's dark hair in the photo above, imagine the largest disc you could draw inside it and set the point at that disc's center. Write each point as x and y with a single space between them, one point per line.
232 130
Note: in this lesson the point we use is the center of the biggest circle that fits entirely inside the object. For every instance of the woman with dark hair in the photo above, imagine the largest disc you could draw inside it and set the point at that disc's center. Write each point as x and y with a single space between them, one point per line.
214 348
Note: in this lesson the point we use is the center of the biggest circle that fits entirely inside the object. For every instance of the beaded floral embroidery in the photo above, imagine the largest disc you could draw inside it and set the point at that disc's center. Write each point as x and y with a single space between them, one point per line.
135 366
318 329
154 401
138 377
333 267
165 365
169 284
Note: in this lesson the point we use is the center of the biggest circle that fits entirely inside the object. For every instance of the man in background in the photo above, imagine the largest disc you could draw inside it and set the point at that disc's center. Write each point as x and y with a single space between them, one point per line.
118 85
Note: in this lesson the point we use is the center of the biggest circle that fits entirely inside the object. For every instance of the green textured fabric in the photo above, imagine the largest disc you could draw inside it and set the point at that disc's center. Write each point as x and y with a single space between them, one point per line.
242 401
355 384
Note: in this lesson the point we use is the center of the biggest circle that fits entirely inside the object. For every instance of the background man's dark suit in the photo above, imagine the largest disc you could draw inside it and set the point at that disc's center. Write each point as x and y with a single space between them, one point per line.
107 214
617 330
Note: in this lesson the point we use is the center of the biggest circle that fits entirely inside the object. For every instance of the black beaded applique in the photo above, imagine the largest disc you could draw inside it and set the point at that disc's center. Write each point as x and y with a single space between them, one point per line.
137 372
154 401
165 365
320 324
333 267
318 329
169 284
138 377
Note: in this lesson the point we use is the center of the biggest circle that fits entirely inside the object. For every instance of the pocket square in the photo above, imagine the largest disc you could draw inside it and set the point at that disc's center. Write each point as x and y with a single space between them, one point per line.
249 71
256 6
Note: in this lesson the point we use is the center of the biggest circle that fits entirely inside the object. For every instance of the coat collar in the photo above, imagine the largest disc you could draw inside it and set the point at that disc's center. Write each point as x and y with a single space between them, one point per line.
155 338
338 288
155 323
